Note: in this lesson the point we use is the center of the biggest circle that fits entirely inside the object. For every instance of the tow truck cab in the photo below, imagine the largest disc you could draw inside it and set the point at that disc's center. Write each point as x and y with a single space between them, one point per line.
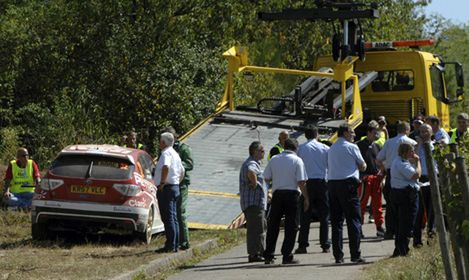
408 83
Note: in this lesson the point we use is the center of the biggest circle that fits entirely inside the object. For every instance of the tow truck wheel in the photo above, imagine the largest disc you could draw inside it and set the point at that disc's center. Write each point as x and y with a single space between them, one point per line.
39 231
145 236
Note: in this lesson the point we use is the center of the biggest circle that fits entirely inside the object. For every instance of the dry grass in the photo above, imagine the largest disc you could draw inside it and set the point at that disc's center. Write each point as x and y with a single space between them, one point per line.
422 264
77 257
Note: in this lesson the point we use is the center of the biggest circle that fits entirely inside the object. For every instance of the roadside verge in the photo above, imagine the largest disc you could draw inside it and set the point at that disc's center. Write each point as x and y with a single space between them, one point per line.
151 269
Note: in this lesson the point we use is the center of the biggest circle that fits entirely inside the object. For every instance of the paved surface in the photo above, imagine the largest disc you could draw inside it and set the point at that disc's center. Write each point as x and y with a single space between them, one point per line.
314 265
219 171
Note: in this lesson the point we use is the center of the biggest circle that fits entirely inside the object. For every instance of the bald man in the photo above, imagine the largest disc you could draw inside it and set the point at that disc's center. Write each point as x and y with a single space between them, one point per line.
279 147
21 178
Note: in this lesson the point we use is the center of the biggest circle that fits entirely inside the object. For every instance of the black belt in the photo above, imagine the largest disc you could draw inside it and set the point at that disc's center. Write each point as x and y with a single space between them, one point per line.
317 180
285 191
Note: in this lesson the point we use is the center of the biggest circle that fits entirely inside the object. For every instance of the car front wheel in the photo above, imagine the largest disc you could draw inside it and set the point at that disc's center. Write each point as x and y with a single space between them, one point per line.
145 236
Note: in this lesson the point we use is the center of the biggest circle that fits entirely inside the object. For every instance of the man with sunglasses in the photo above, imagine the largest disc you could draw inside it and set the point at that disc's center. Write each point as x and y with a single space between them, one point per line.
21 178
457 134
253 199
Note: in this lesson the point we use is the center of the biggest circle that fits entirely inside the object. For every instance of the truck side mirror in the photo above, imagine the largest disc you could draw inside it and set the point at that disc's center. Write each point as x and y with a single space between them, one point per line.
459 74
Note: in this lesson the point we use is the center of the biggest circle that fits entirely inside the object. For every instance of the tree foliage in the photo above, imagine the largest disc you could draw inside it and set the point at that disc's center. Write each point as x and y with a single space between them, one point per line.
87 71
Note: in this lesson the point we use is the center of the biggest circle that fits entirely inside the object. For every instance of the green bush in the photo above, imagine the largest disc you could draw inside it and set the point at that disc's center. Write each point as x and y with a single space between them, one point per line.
9 142
87 71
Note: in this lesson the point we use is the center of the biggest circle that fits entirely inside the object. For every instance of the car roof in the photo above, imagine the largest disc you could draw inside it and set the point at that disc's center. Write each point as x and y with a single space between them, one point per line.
105 149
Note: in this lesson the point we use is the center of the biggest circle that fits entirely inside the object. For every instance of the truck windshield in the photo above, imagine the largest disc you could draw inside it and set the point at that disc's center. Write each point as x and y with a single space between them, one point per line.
103 167
438 87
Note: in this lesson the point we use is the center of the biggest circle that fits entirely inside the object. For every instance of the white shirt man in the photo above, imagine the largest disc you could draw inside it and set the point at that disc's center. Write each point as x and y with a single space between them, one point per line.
389 151
169 172
287 172
170 158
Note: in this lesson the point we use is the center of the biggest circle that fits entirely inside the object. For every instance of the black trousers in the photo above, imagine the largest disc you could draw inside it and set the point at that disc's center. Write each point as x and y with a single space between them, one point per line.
344 201
406 205
284 202
319 200
389 217
425 206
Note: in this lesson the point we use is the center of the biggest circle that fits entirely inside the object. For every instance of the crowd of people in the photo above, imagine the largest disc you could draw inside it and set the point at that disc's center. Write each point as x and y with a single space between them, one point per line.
336 183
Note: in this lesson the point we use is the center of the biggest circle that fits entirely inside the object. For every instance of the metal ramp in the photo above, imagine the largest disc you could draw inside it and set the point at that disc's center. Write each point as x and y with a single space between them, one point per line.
219 149
220 146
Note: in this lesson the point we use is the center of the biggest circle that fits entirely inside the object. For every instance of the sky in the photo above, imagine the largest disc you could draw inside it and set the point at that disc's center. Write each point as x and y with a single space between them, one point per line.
455 10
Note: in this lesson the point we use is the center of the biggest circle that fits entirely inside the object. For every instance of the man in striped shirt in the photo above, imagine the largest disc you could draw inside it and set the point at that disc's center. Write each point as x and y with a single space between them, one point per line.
253 199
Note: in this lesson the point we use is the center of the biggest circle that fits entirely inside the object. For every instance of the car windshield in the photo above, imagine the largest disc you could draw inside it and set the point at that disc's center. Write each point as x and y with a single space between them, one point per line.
92 166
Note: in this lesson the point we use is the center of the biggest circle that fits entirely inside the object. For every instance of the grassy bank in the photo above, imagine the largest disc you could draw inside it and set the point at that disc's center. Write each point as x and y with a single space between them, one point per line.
81 257
422 264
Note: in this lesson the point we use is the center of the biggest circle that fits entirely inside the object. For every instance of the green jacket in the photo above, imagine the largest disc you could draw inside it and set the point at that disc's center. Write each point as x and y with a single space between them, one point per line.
185 153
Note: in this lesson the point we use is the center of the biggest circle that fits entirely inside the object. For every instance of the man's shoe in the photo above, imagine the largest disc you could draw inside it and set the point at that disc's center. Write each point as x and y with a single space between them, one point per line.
166 250
269 261
358 260
380 232
184 247
290 261
301 250
341 260
388 235
255 258
326 250
371 219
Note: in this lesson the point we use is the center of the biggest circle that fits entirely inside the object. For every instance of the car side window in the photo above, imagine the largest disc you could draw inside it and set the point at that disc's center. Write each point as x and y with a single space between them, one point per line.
147 166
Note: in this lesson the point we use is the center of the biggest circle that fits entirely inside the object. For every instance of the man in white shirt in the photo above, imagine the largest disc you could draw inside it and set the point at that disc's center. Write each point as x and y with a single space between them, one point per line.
287 173
385 158
169 172
314 156
344 162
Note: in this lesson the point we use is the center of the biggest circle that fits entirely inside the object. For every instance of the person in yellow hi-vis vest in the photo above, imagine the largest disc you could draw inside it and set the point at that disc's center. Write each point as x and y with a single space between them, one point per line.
461 131
131 141
278 148
21 178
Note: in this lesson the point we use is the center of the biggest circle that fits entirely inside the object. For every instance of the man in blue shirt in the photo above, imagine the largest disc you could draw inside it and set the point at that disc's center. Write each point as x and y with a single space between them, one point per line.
385 158
405 172
314 156
253 199
287 173
440 135
344 165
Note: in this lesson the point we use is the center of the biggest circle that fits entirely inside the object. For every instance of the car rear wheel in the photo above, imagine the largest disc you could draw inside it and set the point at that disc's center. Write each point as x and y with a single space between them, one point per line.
145 236
40 231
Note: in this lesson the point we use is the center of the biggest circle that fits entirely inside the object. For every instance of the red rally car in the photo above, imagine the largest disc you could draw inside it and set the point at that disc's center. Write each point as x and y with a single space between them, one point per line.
97 189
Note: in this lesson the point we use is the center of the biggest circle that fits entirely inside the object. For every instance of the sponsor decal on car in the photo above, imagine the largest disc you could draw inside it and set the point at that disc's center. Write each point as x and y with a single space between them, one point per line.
136 203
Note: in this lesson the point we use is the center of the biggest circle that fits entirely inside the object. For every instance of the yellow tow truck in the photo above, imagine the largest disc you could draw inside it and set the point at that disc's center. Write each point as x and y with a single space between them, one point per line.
359 82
